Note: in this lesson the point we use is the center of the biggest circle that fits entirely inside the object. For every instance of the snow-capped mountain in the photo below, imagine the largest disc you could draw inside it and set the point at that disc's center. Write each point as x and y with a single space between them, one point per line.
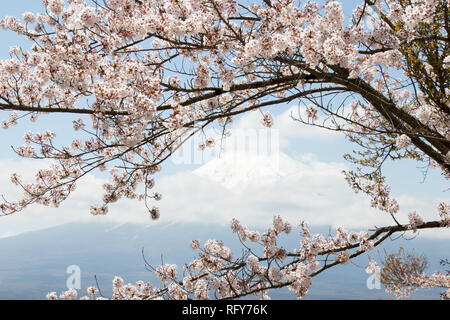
238 170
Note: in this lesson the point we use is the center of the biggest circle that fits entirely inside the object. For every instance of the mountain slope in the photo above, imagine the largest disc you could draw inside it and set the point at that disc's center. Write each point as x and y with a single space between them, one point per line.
35 263
237 170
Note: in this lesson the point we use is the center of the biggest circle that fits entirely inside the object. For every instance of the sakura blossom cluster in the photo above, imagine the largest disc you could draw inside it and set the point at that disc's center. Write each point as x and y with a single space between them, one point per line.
378 191
373 267
267 120
412 283
403 141
414 220
444 213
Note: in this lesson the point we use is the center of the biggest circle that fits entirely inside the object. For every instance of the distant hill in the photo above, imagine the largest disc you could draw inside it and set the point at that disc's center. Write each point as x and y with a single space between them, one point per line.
33 264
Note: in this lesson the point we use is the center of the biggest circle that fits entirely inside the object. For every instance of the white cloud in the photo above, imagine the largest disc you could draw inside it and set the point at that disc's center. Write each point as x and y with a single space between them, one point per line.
251 188
250 135
312 191
76 208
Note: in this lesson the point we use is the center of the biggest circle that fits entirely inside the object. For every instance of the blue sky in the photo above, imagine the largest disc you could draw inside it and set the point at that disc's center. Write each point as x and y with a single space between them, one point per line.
190 196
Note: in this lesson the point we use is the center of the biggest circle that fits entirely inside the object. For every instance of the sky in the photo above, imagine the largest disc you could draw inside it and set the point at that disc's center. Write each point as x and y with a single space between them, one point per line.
303 182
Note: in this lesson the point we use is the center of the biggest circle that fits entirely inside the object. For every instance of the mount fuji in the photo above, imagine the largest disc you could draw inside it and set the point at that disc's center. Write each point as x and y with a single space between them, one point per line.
239 170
